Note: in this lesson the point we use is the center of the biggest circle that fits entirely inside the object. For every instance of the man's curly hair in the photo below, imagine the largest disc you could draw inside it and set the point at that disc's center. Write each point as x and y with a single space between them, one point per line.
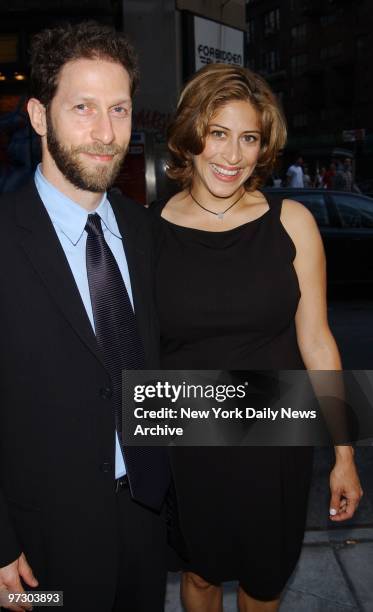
52 48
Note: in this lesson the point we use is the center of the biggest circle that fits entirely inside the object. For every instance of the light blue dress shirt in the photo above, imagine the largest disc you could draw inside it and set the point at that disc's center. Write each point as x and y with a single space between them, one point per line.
69 220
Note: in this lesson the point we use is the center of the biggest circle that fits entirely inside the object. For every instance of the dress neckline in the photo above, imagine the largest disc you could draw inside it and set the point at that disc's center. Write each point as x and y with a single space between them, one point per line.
233 229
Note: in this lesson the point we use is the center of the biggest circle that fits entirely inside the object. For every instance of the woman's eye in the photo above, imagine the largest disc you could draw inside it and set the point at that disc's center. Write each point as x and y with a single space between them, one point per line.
250 138
218 133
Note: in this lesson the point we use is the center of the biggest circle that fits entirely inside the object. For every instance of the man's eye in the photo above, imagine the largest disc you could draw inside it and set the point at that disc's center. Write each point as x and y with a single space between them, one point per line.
82 107
122 111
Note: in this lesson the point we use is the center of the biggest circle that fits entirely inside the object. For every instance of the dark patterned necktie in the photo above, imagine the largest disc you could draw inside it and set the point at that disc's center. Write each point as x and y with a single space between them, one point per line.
116 329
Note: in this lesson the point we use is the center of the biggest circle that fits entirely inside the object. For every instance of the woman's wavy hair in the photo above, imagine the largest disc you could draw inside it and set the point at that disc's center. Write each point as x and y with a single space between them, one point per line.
206 92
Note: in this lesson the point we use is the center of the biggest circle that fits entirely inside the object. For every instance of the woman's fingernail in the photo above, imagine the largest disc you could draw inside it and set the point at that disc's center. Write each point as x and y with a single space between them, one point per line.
332 512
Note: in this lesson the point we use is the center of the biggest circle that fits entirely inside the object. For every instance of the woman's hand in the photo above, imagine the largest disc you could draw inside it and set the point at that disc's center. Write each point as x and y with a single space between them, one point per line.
345 487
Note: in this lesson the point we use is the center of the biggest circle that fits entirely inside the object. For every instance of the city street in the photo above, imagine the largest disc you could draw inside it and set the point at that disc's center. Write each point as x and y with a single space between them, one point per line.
351 321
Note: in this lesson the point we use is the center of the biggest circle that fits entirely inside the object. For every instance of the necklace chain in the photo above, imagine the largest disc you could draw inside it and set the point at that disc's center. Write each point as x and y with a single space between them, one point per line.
219 215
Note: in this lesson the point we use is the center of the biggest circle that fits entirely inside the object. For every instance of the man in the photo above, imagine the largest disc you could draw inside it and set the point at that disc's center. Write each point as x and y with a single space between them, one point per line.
347 166
340 179
295 174
78 513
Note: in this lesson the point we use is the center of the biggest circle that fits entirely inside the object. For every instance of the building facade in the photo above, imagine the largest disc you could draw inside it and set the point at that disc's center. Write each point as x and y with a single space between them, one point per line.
317 57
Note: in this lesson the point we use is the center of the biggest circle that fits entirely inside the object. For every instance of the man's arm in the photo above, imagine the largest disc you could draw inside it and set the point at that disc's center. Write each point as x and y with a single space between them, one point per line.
9 546
13 564
10 582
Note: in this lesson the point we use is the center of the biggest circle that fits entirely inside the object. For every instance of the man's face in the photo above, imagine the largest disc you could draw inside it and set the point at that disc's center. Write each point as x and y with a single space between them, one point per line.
89 123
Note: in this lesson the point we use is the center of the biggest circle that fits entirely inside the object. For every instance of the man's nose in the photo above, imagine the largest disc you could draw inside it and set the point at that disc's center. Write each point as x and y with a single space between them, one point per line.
103 129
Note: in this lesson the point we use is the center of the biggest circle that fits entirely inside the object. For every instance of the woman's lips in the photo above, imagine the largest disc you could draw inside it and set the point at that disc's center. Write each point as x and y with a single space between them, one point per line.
224 173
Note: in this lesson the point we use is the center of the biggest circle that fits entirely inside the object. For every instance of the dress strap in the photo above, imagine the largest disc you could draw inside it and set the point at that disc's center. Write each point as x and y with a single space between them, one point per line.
274 202
157 206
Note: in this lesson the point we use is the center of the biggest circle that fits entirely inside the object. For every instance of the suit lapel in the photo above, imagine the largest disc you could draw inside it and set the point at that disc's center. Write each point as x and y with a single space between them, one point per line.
42 246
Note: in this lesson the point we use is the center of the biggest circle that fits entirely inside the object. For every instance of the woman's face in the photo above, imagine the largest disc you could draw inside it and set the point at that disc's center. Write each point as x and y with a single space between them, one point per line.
231 149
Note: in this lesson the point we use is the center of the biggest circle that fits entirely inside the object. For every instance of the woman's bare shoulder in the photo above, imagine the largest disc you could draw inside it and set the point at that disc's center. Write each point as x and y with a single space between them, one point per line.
296 217
301 226
174 209
176 200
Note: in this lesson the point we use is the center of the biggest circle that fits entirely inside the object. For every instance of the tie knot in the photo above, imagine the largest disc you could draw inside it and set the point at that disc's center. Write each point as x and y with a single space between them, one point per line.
93 226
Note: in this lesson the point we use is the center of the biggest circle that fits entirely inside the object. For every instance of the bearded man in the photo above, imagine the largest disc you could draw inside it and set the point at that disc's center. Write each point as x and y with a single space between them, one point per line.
79 513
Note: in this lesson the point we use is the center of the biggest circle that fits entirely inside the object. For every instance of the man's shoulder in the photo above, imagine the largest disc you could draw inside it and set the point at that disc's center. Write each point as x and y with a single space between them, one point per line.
129 206
10 200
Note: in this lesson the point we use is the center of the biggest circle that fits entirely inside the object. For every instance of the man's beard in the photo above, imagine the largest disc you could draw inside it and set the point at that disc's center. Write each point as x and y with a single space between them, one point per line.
97 179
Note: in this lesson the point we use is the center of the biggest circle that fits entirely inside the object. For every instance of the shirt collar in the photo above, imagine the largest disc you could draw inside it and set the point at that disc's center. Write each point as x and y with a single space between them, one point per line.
67 215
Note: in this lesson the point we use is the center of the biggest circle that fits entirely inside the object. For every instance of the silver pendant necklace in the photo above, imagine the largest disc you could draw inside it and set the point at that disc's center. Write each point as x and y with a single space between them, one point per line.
219 215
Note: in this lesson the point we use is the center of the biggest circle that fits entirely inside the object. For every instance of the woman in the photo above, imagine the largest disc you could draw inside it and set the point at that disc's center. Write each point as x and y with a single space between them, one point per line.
240 285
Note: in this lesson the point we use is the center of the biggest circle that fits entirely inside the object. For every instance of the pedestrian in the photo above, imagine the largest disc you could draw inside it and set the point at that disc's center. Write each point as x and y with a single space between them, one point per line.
79 513
319 178
339 180
307 181
277 180
348 174
295 177
240 285
329 176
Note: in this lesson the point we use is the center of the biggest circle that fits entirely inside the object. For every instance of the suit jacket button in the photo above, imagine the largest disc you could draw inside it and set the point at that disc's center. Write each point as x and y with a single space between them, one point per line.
106 467
106 393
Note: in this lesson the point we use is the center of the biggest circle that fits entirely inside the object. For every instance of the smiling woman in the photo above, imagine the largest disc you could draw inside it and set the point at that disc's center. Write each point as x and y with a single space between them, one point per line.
240 286
204 97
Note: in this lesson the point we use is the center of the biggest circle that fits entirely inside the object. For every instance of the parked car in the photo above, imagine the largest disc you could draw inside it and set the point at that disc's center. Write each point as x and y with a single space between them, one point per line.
345 221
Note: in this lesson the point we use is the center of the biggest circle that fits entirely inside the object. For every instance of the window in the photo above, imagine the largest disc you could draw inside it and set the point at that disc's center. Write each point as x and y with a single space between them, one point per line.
251 63
8 48
331 114
248 10
298 33
316 204
271 22
280 97
300 120
331 51
362 46
271 61
326 20
250 31
354 211
298 64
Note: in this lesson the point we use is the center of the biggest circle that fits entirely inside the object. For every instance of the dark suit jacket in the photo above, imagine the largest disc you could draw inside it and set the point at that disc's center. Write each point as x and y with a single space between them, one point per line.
56 420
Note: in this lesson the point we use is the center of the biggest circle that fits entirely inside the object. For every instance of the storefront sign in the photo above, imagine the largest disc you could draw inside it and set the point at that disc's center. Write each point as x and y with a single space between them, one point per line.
215 42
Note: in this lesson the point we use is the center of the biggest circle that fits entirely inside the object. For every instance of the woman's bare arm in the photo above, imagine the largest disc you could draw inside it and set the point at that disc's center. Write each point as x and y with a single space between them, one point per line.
316 342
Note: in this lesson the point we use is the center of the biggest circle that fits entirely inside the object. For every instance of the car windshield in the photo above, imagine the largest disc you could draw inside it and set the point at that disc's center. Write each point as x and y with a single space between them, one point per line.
354 211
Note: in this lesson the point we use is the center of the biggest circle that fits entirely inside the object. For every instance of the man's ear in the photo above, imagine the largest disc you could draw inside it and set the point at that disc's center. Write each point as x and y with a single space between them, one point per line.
37 114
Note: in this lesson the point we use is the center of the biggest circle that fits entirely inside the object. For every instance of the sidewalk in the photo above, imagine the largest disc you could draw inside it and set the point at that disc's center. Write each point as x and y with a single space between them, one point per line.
335 571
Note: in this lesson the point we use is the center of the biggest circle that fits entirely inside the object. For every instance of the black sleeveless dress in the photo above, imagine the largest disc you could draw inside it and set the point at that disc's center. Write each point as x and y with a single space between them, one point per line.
227 300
